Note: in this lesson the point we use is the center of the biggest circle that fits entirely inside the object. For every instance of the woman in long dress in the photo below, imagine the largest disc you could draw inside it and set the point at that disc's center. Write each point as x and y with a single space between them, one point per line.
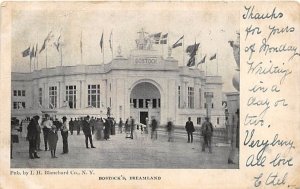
99 129
52 141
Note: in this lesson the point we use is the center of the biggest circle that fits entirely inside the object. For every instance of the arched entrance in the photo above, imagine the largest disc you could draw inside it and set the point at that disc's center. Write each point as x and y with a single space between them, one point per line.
145 102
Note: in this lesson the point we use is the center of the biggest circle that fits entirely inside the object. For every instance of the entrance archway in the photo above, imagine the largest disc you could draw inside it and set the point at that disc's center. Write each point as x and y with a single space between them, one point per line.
145 102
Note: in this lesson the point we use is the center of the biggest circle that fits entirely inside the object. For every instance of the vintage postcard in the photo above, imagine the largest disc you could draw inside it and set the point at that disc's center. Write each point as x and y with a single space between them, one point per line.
150 94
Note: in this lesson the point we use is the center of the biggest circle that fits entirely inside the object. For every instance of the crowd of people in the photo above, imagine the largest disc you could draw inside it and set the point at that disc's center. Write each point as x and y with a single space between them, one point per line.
101 129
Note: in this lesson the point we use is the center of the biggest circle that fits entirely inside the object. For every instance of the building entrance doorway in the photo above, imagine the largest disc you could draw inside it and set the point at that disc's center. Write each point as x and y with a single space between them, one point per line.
143 116
145 102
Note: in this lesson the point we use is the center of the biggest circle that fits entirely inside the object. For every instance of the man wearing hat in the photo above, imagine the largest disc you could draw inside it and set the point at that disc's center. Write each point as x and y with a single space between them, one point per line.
47 124
32 132
87 132
207 131
64 135
189 127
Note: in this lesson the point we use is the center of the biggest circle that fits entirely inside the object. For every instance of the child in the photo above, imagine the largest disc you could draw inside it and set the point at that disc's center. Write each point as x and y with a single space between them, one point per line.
52 140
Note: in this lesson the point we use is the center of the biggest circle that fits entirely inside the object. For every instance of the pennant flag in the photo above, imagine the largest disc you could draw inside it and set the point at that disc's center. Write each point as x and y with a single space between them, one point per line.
110 41
26 52
202 61
155 37
178 43
57 44
191 62
47 39
101 42
164 39
213 56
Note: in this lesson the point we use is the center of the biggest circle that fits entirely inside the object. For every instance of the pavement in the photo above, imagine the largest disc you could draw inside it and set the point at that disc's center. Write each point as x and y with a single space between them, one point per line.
119 152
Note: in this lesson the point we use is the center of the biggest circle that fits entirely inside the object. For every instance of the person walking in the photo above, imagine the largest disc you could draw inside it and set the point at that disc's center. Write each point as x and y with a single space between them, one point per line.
47 125
189 127
132 128
153 128
52 140
38 139
92 124
71 126
106 129
207 131
120 125
99 129
32 132
87 132
170 130
64 135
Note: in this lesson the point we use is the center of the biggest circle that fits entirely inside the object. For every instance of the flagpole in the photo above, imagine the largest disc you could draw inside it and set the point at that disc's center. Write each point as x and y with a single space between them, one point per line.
183 51
61 49
217 62
103 45
112 46
81 48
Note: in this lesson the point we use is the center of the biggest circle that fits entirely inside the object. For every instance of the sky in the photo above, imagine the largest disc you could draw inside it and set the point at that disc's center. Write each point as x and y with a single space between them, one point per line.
211 26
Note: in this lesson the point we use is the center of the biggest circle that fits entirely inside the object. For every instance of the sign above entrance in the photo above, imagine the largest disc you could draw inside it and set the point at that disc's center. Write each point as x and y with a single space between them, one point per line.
143 60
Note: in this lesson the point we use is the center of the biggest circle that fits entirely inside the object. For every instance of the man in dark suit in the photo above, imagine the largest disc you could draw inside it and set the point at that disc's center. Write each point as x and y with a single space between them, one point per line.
87 132
32 132
189 127
207 132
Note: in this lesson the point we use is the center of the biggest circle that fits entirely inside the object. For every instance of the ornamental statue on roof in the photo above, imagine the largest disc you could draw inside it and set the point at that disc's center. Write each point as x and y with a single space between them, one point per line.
144 42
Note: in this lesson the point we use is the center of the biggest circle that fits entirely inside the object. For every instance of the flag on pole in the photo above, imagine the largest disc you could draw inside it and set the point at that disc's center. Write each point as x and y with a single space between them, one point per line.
192 49
213 56
178 43
155 37
110 40
191 62
202 61
47 39
101 42
57 44
164 39
26 52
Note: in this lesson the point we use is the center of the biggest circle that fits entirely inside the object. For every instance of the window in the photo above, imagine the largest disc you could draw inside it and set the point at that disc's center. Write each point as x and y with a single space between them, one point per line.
141 103
191 97
178 96
147 102
53 97
109 101
218 120
159 102
19 93
19 105
41 96
134 103
94 96
198 120
212 105
154 103
71 96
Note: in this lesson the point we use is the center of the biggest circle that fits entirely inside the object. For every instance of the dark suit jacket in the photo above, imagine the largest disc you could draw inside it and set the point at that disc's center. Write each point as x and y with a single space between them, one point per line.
86 127
189 126
32 130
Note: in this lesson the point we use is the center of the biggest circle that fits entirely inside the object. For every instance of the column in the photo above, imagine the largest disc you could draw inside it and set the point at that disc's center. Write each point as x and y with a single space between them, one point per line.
208 97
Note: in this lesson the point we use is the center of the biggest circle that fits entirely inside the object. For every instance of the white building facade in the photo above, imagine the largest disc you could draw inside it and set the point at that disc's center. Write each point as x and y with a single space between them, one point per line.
143 85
